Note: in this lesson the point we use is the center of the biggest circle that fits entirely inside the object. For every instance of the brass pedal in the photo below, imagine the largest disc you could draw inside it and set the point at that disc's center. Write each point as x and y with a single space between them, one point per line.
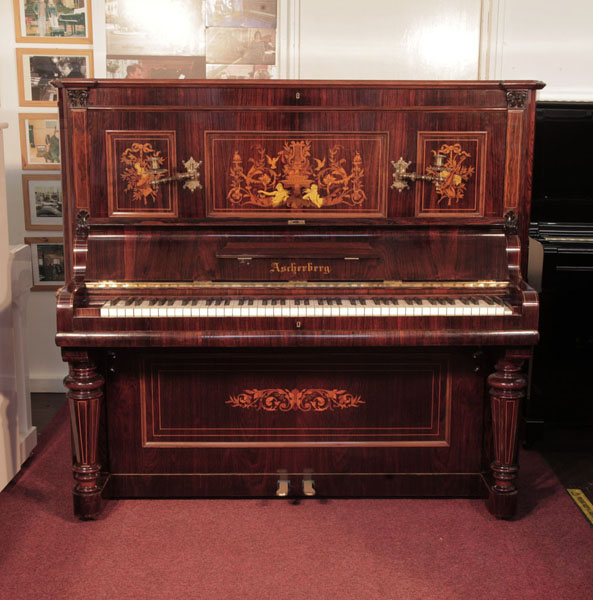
308 487
283 486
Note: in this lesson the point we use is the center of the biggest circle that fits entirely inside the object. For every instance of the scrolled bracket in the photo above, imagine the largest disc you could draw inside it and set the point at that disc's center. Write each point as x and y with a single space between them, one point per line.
82 225
511 223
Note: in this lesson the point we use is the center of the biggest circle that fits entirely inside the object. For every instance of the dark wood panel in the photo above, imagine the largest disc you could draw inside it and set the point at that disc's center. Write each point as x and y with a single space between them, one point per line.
154 418
421 254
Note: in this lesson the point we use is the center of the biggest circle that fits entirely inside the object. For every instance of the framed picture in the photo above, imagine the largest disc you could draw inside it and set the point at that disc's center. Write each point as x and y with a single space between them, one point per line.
47 256
37 68
154 27
53 21
42 196
40 141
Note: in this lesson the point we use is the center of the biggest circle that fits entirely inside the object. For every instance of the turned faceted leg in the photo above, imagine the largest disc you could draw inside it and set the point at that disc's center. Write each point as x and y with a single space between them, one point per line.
507 389
85 392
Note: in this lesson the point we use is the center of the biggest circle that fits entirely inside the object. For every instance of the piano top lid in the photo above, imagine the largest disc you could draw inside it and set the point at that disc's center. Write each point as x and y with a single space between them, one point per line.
302 83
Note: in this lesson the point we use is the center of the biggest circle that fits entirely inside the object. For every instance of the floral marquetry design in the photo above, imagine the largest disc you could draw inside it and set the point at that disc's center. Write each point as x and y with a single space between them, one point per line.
136 173
452 177
293 178
304 400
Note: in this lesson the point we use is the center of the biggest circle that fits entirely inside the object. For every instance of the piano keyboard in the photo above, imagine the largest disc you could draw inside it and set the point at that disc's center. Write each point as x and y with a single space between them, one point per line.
312 307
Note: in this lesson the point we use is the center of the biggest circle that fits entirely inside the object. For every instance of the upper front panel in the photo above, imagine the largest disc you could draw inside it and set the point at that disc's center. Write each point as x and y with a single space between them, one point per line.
187 165
289 153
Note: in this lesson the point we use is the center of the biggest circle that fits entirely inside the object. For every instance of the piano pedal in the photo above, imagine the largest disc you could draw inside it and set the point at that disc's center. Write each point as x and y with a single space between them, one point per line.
309 484
283 485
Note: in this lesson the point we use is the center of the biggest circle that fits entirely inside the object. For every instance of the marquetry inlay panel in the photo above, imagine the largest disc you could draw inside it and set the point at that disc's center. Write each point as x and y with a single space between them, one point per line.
296 173
130 192
394 401
461 188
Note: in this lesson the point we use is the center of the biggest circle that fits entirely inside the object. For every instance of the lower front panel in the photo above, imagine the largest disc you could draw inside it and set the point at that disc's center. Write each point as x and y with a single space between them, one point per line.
236 423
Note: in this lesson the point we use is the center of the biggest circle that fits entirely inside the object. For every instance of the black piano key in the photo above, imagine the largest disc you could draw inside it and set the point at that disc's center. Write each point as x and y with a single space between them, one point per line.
227 302
450 301
250 302
409 301
465 301
377 301
297 302
338 302
363 301
170 301
307 303
241 302
417 301
283 302
195 301
473 301
264 303
138 301
488 300
185 301
433 301
161 302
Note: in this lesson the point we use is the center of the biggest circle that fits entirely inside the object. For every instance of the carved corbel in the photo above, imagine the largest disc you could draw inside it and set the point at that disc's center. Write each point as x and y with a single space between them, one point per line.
78 97
516 98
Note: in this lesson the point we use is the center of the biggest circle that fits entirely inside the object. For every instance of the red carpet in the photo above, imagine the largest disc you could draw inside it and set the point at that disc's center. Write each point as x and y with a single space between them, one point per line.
259 549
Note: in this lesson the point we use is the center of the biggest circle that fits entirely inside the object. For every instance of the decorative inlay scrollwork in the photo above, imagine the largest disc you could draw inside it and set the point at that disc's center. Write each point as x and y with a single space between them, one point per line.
78 98
137 172
285 400
516 98
293 178
450 178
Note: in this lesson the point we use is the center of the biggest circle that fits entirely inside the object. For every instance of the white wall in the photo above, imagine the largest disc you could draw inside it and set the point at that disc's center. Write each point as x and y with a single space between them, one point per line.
387 39
347 39
550 41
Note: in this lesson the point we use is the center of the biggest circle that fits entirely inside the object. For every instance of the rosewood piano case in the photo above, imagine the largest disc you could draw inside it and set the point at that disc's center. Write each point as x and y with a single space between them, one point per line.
352 197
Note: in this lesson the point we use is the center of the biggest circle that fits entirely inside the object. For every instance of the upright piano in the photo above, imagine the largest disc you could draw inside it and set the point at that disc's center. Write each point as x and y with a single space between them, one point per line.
296 288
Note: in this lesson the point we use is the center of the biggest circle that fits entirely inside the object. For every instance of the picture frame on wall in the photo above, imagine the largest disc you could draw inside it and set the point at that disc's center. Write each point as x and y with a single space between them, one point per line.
47 257
42 198
53 21
40 141
38 67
